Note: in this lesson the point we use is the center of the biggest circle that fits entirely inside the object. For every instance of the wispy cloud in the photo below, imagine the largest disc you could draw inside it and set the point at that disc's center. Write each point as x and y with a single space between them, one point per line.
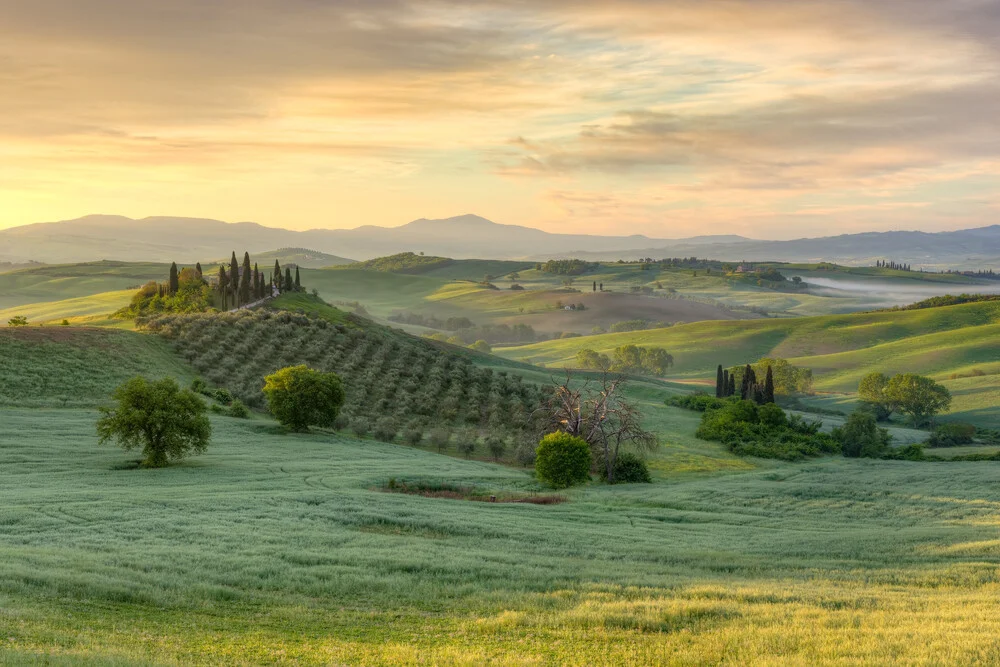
643 113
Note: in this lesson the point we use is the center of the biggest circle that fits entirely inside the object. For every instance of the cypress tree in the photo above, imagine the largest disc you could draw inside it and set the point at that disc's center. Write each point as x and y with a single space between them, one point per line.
234 279
245 279
198 272
732 384
174 284
277 276
288 280
595 285
747 384
769 387
725 383
719 389
298 283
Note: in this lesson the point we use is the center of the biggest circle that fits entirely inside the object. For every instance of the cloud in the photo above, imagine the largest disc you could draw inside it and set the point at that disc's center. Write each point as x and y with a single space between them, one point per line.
734 108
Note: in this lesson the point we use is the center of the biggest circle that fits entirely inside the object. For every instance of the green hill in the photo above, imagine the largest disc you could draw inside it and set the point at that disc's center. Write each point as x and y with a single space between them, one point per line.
71 281
940 342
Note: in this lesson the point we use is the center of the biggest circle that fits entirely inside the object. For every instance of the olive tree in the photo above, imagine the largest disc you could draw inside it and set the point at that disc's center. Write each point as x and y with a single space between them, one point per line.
300 397
917 396
165 421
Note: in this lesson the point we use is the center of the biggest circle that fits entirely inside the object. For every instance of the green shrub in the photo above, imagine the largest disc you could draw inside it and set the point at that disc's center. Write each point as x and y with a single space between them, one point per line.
861 436
385 429
413 436
699 401
563 460
222 396
239 409
952 435
199 386
300 397
629 469
751 430
361 426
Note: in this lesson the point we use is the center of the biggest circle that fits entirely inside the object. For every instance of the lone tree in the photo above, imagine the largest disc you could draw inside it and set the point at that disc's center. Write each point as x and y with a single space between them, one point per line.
165 421
300 397
917 396
18 321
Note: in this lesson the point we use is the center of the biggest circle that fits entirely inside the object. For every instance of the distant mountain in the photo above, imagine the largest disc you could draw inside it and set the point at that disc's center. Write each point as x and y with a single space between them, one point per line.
466 237
192 239
970 248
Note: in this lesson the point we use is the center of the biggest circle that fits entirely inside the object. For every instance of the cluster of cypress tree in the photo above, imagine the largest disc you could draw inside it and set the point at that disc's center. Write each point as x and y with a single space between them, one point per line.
725 384
245 284
750 389
883 264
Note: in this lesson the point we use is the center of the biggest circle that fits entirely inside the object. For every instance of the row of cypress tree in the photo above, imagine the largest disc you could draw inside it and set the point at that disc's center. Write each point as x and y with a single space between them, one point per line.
244 284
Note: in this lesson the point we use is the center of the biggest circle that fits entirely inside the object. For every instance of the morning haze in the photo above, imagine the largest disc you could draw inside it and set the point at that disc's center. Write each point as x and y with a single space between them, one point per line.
394 332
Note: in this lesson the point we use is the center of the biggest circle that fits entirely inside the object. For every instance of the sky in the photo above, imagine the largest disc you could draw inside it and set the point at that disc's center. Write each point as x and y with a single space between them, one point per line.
766 118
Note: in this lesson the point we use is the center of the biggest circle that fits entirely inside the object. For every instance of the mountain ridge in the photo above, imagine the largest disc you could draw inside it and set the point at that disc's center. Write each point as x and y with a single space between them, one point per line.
467 236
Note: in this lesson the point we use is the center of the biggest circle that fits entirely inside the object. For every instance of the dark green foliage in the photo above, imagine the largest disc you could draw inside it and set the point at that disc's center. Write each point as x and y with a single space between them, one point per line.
300 397
387 373
563 460
760 431
222 396
197 269
288 285
629 469
952 435
917 396
591 360
190 295
239 410
769 386
18 321
166 422
199 386
698 401
568 267
787 379
404 262
173 279
298 283
948 300
721 385
861 437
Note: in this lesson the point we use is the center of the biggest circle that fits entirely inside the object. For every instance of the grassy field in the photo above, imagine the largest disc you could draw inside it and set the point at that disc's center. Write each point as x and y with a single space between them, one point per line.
279 549
79 310
73 281
59 366
275 548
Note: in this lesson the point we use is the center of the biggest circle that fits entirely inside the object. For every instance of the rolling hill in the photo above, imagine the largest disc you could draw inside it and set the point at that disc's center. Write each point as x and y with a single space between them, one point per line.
956 345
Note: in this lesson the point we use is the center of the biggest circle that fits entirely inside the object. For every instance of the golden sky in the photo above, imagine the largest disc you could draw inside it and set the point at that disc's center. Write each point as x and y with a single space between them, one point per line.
772 119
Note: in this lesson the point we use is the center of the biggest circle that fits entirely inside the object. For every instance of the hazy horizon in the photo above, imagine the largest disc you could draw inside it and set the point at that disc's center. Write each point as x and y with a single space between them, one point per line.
770 120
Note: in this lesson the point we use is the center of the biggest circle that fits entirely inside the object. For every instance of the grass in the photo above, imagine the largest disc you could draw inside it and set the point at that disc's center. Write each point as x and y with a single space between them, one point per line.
78 310
47 366
275 549
72 281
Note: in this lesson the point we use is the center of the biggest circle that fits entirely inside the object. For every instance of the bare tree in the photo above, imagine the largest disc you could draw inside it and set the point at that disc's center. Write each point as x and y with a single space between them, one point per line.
598 412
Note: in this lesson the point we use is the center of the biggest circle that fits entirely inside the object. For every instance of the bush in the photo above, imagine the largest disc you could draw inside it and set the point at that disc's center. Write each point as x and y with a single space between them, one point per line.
413 436
300 397
750 430
563 460
385 429
165 421
239 410
699 401
199 386
860 436
222 396
629 469
952 435
361 426
342 421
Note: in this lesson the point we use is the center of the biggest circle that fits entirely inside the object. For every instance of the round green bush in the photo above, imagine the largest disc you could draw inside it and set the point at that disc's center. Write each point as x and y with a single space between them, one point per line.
630 469
563 460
